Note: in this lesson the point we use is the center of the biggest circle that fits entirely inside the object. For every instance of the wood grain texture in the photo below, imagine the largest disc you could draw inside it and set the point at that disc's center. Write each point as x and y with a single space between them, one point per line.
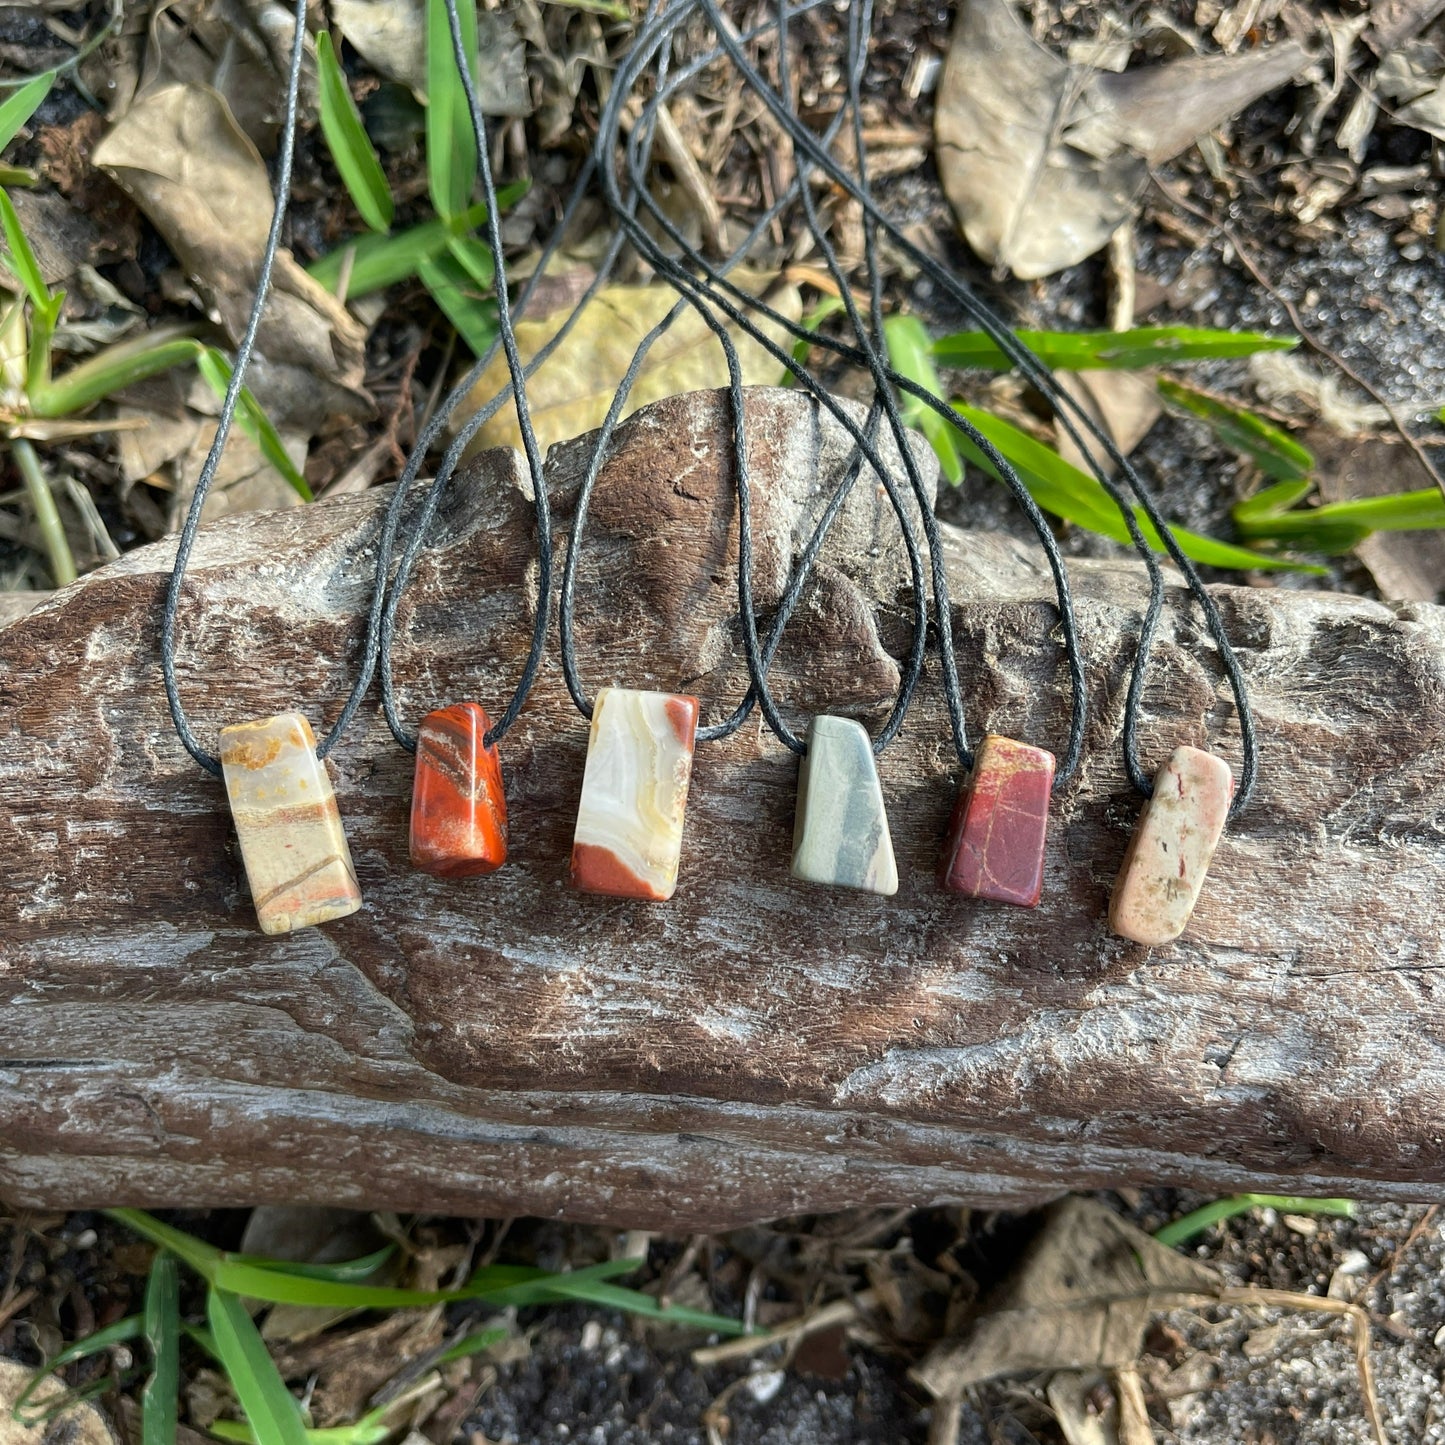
755 1047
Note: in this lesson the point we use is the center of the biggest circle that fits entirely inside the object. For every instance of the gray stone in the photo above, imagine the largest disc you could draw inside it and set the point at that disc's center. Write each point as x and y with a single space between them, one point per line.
840 831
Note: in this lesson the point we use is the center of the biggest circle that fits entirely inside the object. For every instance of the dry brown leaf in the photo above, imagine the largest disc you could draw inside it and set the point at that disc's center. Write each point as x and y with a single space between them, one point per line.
1042 159
572 390
1071 1395
79 1425
165 427
183 159
1412 79
390 35
1392 22
1125 403
1080 1298
1406 566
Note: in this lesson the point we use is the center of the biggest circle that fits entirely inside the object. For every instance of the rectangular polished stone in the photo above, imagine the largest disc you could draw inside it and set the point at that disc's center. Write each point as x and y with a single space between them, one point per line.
995 844
840 829
1173 843
628 841
292 843
458 804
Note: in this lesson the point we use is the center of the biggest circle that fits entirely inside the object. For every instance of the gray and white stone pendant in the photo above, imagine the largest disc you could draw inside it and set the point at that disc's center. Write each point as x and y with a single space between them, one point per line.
840 831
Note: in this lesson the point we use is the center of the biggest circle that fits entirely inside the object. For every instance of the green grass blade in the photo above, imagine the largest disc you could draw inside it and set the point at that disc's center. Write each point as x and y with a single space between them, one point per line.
803 347
475 258
472 1344
18 255
1273 451
346 1272
1061 488
193 1252
163 1335
273 1284
270 1408
1338 526
369 1430
381 261
252 419
453 289
910 353
132 1327
44 318
1109 350
121 365
1198 1220
451 146
616 1297
348 142
22 105
1272 501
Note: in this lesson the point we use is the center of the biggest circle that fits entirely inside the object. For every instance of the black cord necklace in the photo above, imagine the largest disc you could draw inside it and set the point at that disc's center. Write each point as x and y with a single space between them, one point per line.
292 842
459 806
1198 785
704 280
634 789
1193 795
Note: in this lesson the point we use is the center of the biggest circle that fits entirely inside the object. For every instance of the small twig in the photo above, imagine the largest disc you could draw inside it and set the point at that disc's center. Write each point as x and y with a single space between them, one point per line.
1134 1426
47 515
1421 1225
14 1305
1251 265
1121 274
715 1418
84 503
944 1418
1360 1322
839 1312
680 1266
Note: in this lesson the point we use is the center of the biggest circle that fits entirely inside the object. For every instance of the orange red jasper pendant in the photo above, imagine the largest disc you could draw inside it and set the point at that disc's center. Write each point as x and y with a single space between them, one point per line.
995 846
458 805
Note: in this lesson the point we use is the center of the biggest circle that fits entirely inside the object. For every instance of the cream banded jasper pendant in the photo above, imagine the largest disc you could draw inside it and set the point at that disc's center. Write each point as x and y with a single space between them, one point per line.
292 842
628 841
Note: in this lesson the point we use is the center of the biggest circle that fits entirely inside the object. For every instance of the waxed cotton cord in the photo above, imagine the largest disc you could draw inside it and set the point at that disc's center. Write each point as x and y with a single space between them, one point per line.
1033 369
637 150
382 622
683 280
507 340
187 538
685 284
854 356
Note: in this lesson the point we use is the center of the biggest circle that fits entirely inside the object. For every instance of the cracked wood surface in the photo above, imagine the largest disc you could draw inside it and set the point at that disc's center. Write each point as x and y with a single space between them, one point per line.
756 1047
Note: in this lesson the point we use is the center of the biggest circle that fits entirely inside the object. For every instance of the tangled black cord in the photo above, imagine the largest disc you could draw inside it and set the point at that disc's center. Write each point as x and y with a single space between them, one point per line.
381 614
658 35
1071 417
699 279
703 287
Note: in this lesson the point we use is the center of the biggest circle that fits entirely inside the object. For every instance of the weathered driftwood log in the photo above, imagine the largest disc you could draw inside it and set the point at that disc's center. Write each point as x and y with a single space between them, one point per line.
755 1047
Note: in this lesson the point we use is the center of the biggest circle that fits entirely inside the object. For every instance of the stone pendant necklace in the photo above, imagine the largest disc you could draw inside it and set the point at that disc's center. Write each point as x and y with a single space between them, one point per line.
841 837
995 844
640 743
458 823
1189 800
292 843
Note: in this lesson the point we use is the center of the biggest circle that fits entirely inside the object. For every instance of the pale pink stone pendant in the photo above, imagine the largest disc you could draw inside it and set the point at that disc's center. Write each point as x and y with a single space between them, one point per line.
1163 871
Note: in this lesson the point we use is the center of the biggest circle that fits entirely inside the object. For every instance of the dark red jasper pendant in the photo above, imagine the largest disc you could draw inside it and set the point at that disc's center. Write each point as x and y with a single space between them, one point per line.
995 845
458 806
